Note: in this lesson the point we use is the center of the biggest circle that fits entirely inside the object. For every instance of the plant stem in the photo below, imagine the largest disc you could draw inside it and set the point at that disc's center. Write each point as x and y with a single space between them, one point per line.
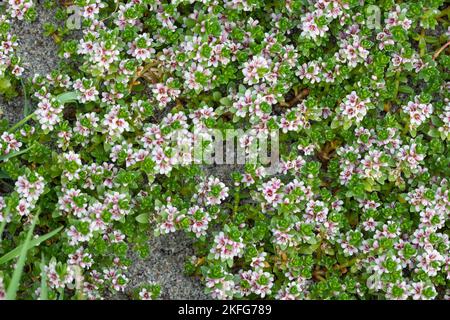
304 93
437 53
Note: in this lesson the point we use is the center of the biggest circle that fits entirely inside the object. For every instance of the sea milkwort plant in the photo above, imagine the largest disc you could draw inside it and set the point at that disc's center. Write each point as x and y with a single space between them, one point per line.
351 95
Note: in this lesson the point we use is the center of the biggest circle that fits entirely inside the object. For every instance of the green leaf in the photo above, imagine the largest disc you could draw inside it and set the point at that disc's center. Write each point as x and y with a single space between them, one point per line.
225 101
67 97
406 89
436 121
305 249
143 218
5 84
434 133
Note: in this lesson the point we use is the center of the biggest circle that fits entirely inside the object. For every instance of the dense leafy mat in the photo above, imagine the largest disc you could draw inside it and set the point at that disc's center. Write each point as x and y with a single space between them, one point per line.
357 89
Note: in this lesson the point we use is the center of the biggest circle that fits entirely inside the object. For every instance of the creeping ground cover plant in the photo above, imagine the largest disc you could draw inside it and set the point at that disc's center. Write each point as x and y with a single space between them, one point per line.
105 156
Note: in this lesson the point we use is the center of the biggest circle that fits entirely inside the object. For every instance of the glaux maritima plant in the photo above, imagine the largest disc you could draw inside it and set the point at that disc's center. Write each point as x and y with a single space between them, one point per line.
358 91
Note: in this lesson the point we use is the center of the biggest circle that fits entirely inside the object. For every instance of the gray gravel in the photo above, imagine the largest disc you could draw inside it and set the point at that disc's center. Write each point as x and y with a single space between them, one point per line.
11 109
168 253
38 54
165 266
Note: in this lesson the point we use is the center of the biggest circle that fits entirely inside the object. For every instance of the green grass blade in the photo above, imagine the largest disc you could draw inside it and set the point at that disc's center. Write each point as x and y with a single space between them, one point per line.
11 293
35 242
21 122
14 154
